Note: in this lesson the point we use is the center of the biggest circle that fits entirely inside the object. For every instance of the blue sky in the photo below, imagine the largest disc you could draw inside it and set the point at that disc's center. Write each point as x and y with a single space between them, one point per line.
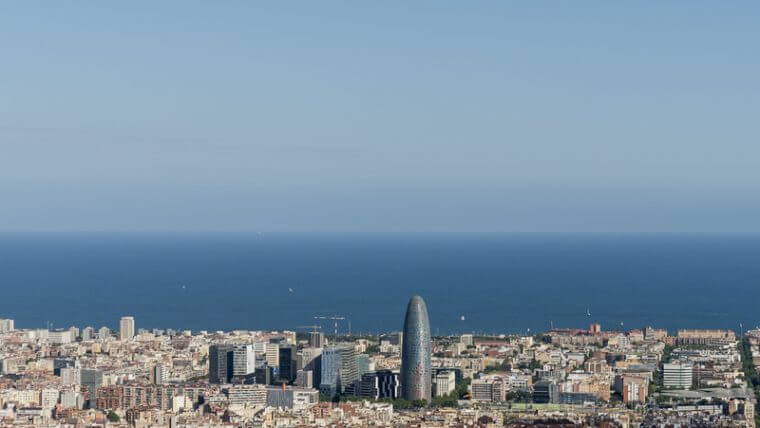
390 116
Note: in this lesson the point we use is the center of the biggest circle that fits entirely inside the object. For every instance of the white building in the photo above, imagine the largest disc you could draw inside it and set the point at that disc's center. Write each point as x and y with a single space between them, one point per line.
88 333
273 354
247 395
243 360
160 374
6 325
71 375
127 328
677 375
71 399
60 337
445 383
466 339
104 333
48 398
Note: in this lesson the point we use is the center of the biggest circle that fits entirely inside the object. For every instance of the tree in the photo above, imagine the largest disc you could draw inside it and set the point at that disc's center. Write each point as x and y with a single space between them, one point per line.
112 416
418 404
462 388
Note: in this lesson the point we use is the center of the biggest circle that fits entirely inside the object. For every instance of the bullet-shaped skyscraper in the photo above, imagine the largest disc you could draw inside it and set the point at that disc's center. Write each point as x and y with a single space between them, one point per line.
416 374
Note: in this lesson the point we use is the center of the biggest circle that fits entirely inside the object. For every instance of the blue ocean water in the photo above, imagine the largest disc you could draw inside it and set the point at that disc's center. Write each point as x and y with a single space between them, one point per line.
498 283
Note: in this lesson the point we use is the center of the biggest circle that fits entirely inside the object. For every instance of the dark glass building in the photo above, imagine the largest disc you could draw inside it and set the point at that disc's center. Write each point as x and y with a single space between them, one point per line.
379 384
287 363
92 379
220 363
416 374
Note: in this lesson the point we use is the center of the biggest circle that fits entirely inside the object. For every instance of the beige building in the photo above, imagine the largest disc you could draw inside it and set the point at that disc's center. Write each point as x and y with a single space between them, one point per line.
127 328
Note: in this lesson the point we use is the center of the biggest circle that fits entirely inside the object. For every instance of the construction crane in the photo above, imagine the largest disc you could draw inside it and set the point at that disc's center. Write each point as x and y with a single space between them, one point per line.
335 318
313 328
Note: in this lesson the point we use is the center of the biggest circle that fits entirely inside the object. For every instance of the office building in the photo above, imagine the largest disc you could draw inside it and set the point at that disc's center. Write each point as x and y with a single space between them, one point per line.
487 390
445 382
287 361
380 384
273 354
92 379
127 328
220 363
546 391
578 398
291 398
364 364
304 379
311 359
243 360
416 374
339 371
677 375
264 375
247 395
316 339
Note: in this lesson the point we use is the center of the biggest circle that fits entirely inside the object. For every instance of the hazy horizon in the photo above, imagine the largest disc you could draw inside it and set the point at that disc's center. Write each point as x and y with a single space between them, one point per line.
393 117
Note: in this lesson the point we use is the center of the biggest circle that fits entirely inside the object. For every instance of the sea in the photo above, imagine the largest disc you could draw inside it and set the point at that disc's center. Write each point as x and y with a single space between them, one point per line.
478 283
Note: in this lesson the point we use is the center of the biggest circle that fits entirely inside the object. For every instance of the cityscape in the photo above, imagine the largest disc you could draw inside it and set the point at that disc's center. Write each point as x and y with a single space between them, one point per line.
643 377
412 214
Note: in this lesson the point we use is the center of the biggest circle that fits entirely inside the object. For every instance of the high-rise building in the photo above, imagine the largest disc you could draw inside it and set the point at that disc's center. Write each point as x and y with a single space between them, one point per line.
466 339
127 328
92 379
635 388
445 383
273 354
310 359
416 374
316 339
380 384
88 333
243 360
104 333
287 360
220 363
304 379
160 374
264 375
6 325
339 371
260 349
364 364
677 375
